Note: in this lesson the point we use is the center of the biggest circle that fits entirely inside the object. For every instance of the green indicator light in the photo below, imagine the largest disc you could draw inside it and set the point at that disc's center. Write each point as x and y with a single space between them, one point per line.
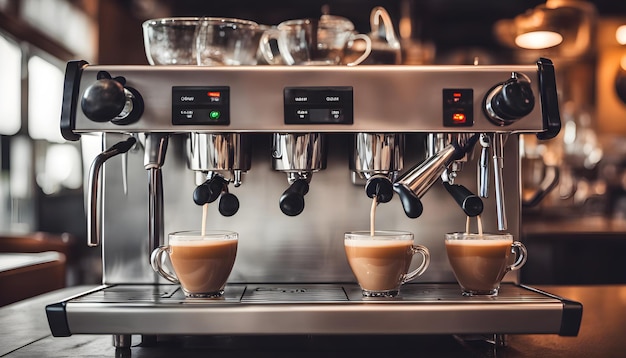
214 114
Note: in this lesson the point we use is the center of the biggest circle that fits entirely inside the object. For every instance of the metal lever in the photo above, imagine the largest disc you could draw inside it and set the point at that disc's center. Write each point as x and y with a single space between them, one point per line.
154 157
498 164
94 223
483 174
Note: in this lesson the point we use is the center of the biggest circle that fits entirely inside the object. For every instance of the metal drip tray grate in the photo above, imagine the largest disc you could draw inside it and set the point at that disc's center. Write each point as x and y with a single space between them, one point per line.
293 293
130 293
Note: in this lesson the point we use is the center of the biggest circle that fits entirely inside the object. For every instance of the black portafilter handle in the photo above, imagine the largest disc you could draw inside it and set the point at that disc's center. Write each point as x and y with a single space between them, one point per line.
209 191
216 187
411 204
471 204
292 201
380 187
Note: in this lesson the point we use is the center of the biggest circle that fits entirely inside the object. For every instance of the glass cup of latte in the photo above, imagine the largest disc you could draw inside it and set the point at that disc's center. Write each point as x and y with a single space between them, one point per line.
480 261
381 262
201 262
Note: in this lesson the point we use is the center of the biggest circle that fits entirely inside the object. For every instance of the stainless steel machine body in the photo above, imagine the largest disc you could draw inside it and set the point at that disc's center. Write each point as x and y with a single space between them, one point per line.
291 275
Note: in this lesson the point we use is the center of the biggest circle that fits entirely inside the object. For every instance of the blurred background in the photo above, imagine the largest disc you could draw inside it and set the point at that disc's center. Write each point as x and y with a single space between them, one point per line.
581 174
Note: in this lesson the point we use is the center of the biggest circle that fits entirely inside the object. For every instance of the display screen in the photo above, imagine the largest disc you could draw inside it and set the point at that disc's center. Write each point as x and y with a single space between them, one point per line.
208 105
318 105
458 107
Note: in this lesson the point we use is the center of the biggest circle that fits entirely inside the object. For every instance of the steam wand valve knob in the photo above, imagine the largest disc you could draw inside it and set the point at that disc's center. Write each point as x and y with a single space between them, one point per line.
292 201
381 187
471 204
110 100
509 101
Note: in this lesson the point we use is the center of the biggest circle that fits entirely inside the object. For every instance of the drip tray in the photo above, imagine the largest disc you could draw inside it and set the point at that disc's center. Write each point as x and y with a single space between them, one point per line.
313 309
294 293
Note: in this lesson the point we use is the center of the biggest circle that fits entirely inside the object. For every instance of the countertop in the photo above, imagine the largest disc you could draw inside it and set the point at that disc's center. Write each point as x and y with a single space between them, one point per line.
24 333
24 275
13 261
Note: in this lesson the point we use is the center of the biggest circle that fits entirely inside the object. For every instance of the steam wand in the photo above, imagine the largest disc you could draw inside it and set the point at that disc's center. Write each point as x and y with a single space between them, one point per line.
93 219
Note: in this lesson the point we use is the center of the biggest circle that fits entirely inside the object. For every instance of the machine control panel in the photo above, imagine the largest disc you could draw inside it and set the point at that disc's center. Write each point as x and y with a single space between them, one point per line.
206 105
318 105
458 107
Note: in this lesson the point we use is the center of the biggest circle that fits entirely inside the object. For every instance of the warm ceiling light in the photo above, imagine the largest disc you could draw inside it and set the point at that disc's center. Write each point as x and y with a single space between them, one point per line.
539 28
536 40
562 28
620 35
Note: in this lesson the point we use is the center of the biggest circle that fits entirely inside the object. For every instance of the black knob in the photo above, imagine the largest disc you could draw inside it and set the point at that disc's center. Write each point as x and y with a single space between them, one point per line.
104 100
381 187
509 101
229 204
109 99
292 201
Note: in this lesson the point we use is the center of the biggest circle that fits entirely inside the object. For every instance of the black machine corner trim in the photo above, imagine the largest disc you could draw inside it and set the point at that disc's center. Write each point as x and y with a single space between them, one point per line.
572 314
57 319
549 100
73 71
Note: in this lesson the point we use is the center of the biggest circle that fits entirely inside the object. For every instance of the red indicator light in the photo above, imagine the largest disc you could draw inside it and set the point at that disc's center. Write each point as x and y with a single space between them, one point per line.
213 94
458 118
456 94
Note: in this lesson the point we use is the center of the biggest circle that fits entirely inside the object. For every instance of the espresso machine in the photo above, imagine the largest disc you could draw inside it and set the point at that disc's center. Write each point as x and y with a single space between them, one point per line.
291 158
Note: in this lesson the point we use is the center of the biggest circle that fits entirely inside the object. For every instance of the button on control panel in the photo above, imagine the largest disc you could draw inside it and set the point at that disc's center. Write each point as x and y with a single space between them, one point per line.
458 107
206 105
319 105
